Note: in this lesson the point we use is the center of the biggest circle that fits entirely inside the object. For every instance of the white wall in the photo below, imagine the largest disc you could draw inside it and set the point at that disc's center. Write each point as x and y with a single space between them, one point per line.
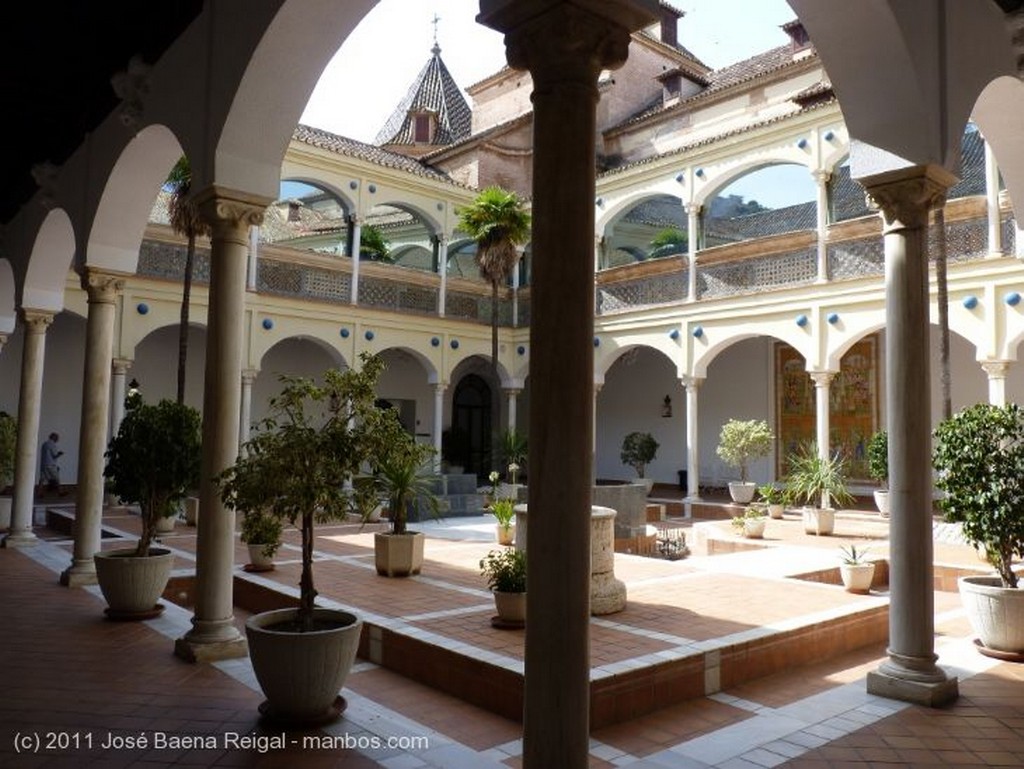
406 379
296 357
156 365
631 400
739 385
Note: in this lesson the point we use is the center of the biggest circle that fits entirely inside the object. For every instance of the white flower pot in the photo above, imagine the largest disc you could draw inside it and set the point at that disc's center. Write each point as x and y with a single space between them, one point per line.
506 534
753 528
776 511
742 492
996 613
301 674
511 606
257 558
131 584
882 501
819 521
857 577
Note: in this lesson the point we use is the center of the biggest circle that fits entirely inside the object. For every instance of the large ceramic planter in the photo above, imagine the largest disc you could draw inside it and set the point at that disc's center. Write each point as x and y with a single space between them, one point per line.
819 521
742 492
882 501
165 524
996 613
857 577
398 555
301 674
132 585
511 607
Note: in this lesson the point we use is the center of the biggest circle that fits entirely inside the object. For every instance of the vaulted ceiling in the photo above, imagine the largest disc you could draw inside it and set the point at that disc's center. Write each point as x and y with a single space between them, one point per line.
56 68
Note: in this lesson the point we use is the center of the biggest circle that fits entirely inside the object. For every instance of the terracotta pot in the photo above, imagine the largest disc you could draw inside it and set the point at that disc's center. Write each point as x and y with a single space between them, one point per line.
301 674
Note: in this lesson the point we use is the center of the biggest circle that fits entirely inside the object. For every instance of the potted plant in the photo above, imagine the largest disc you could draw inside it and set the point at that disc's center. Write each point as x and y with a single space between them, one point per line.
503 510
817 482
513 451
775 499
293 469
399 481
979 460
152 462
505 571
855 570
262 534
878 469
739 443
8 450
638 451
751 523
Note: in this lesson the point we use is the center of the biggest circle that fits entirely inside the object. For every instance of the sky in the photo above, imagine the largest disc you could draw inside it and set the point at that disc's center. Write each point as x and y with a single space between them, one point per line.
374 68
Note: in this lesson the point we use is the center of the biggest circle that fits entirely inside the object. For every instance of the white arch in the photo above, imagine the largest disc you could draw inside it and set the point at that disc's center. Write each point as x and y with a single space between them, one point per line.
127 199
999 113
52 254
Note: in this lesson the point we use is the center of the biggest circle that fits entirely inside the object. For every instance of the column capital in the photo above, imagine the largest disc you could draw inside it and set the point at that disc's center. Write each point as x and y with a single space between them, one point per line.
564 43
234 210
821 175
822 378
249 375
996 369
121 365
36 321
102 287
356 220
440 387
691 382
905 196
693 209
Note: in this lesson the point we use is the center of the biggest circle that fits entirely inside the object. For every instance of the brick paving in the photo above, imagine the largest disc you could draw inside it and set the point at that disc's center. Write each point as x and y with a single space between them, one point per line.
71 674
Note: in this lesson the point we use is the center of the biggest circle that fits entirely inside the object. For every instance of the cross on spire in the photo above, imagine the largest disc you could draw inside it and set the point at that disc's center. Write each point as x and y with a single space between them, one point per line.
436 49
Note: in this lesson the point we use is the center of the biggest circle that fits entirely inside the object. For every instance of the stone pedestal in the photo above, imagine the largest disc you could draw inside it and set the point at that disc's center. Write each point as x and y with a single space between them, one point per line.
607 594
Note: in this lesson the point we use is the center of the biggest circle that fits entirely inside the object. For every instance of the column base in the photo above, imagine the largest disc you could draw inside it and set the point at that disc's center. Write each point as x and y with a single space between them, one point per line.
19 539
931 694
209 641
77 575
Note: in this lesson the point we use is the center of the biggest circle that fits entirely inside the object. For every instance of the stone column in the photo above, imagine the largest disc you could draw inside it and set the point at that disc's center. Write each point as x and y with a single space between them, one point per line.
442 270
357 237
245 414
905 197
692 227
565 46
512 393
995 224
119 372
515 287
252 269
26 461
996 370
102 289
821 178
229 214
822 393
598 384
692 385
439 390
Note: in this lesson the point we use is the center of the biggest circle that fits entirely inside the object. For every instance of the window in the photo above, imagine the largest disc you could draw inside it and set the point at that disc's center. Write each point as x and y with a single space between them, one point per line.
421 129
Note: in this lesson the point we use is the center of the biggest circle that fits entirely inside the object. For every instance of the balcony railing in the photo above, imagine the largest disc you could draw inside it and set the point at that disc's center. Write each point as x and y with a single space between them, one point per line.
854 250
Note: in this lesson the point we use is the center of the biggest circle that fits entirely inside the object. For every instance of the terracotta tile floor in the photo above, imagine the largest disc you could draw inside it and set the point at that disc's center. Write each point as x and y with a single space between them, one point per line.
67 671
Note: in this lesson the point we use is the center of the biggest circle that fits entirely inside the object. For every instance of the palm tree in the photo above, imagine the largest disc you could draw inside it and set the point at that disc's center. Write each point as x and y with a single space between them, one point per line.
185 220
498 221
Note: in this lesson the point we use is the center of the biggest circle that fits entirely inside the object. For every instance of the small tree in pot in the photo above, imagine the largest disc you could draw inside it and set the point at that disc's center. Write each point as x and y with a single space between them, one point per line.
979 458
152 462
8 449
878 468
294 468
638 451
739 443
